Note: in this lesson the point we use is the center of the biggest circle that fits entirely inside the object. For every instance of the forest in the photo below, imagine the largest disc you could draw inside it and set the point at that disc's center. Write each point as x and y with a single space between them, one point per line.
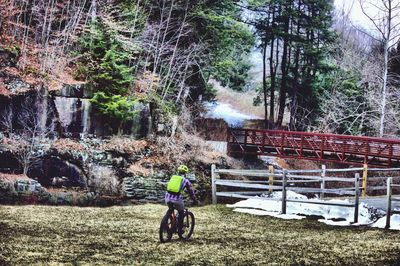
131 79
320 71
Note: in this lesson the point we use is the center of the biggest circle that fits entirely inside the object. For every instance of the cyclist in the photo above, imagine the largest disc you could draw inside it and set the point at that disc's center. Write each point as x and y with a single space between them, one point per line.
173 196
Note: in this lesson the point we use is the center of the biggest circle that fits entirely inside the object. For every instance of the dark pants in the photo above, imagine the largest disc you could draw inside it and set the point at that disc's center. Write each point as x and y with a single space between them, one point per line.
180 207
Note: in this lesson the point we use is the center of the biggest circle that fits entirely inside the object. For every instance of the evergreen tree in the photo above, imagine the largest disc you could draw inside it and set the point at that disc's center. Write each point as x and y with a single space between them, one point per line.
108 73
296 34
219 24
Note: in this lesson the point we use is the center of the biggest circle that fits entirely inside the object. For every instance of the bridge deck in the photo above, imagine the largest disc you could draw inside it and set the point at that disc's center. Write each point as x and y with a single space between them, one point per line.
315 146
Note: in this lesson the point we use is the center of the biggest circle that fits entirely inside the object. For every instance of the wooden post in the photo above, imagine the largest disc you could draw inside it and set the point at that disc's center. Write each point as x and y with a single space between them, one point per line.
245 139
228 142
213 185
323 174
271 177
389 202
364 180
284 179
357 196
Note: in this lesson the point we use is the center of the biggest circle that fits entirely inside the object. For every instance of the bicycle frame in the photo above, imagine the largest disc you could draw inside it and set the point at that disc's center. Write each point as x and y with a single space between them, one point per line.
169 225
174 216
174 224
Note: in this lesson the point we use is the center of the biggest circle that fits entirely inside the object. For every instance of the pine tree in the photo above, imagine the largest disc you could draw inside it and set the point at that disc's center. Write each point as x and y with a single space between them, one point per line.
108 73
296 34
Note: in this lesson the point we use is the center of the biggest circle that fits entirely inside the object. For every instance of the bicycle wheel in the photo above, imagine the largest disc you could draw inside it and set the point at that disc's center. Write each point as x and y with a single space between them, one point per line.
188 226
166 228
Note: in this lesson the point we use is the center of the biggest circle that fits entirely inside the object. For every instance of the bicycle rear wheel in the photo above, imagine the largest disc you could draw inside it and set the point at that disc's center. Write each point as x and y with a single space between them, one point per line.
166 228
187 226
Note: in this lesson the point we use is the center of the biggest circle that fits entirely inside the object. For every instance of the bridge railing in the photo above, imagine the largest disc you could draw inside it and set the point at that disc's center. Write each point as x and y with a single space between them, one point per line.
314 146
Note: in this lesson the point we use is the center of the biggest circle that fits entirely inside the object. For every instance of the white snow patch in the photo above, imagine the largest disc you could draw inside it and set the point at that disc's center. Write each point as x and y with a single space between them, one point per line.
225 111
272 205
269 160
289 195
337 223
273 214
394 222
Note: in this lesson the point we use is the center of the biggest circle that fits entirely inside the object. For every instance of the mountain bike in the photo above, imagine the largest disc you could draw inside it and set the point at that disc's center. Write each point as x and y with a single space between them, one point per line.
169 225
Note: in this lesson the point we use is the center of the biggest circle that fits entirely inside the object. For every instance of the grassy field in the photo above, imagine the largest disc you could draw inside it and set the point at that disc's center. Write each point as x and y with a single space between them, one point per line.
129 236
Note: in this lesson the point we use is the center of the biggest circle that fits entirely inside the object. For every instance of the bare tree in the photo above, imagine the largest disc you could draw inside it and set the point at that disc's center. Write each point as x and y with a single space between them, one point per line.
386 24
6 119
166 53
357 112
31 141
93 11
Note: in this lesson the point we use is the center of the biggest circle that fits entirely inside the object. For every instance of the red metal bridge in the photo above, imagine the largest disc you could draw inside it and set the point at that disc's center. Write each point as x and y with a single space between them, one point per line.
345 149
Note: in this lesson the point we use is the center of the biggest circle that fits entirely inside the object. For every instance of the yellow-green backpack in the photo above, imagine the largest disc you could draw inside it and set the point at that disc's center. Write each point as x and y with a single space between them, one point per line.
174 184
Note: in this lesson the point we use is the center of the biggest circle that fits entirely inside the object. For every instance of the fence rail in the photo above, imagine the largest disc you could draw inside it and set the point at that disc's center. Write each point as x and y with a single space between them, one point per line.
390 199
315 146
283 180
370 182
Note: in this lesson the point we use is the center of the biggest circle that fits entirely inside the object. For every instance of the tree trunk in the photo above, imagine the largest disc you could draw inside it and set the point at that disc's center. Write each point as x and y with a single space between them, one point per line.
384 90
284 68
265 84
273 67
295 84
93 13
272 70
171 61
120 129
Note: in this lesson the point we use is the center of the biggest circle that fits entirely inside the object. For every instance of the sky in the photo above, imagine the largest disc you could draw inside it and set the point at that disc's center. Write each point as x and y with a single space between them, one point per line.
359 19
352 6
355 11
356 15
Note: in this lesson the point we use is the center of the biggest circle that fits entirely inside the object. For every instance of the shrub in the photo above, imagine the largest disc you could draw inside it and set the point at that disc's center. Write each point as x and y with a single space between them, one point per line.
104 181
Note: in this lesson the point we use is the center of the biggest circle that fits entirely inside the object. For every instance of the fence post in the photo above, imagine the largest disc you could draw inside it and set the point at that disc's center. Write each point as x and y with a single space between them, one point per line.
357 197
271 177
284 180
228 141
245 139
389 202
213 185
323 173
364 180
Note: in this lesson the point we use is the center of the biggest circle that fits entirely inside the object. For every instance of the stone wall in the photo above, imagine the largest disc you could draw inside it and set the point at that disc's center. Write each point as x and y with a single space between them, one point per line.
145 188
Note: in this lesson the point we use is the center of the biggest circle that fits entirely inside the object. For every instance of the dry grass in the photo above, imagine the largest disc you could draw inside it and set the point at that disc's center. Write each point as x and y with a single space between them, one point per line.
11 178
189 149
138 169
56 75
299 164
129 236
124 145
68 145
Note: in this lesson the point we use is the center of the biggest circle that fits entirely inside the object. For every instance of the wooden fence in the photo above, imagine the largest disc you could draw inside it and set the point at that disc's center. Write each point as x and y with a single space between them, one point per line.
312 181
391 198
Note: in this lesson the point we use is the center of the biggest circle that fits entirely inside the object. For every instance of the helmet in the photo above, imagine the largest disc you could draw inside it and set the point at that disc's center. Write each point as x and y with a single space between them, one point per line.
183 169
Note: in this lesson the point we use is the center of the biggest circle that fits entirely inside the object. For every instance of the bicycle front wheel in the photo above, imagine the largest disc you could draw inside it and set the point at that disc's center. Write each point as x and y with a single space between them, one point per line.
166 228
187 226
